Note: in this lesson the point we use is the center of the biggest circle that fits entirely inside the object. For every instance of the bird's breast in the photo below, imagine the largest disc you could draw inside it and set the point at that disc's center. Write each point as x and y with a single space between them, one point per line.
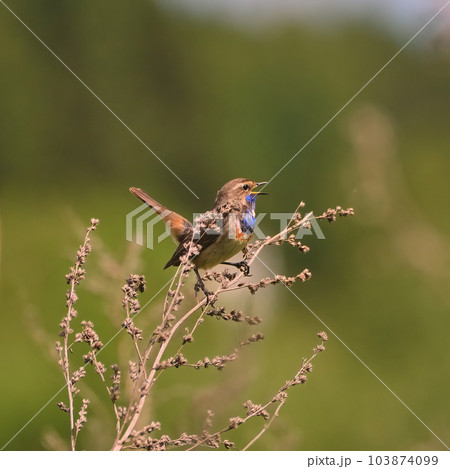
245 225
220 251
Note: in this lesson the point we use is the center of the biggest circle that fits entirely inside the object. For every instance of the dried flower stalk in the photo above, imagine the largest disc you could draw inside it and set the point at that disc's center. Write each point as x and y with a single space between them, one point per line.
151 359
73 279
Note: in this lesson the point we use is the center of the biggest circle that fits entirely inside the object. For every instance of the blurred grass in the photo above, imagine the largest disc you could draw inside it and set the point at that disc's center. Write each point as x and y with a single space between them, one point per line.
216 103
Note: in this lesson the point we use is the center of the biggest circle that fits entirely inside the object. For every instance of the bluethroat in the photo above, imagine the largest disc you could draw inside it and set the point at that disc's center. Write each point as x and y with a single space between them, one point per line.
228 228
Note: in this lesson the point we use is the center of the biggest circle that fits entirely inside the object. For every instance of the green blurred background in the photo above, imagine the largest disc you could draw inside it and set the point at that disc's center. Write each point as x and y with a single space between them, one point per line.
220 95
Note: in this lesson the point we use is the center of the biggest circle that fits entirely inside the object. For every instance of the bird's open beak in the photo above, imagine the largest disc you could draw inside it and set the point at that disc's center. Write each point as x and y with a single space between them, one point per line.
260 193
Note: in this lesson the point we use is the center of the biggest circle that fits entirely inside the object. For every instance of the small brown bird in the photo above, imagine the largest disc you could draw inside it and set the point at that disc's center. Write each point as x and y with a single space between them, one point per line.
233 211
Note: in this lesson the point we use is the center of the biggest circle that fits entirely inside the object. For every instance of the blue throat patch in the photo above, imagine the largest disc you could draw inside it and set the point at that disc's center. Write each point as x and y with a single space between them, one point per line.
251 201
248 218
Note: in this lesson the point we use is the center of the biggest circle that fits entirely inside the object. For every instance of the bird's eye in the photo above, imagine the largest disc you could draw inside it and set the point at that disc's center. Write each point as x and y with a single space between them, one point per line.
245 187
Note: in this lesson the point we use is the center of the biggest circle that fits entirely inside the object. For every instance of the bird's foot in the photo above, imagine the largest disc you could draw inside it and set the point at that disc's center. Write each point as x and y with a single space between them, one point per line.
242 266
210 296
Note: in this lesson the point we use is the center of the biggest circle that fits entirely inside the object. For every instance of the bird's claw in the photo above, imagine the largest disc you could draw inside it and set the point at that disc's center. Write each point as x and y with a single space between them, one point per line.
244 268
210 296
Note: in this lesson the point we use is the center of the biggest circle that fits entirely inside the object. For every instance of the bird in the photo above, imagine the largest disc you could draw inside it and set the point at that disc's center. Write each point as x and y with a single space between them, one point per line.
224 232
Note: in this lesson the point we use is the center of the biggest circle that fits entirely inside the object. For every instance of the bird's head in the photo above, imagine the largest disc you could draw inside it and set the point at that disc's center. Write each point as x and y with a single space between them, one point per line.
241 191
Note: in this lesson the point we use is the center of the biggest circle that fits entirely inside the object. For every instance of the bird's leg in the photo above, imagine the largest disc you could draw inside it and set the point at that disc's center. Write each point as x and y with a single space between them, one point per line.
242 266
201 285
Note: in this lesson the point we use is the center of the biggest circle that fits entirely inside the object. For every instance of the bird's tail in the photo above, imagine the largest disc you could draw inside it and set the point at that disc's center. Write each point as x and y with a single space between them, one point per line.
162 211
178 224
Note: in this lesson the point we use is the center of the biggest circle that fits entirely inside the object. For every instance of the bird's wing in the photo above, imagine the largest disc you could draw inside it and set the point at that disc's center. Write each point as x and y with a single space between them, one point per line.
180 228
207 235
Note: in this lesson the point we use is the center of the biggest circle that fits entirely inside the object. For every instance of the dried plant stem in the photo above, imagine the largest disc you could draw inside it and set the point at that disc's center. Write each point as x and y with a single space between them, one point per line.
166 298
98 367
228 428
283 401
150 360
134 338
66 372
149 379
66 367
280 397
74 278
266 426
143 359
